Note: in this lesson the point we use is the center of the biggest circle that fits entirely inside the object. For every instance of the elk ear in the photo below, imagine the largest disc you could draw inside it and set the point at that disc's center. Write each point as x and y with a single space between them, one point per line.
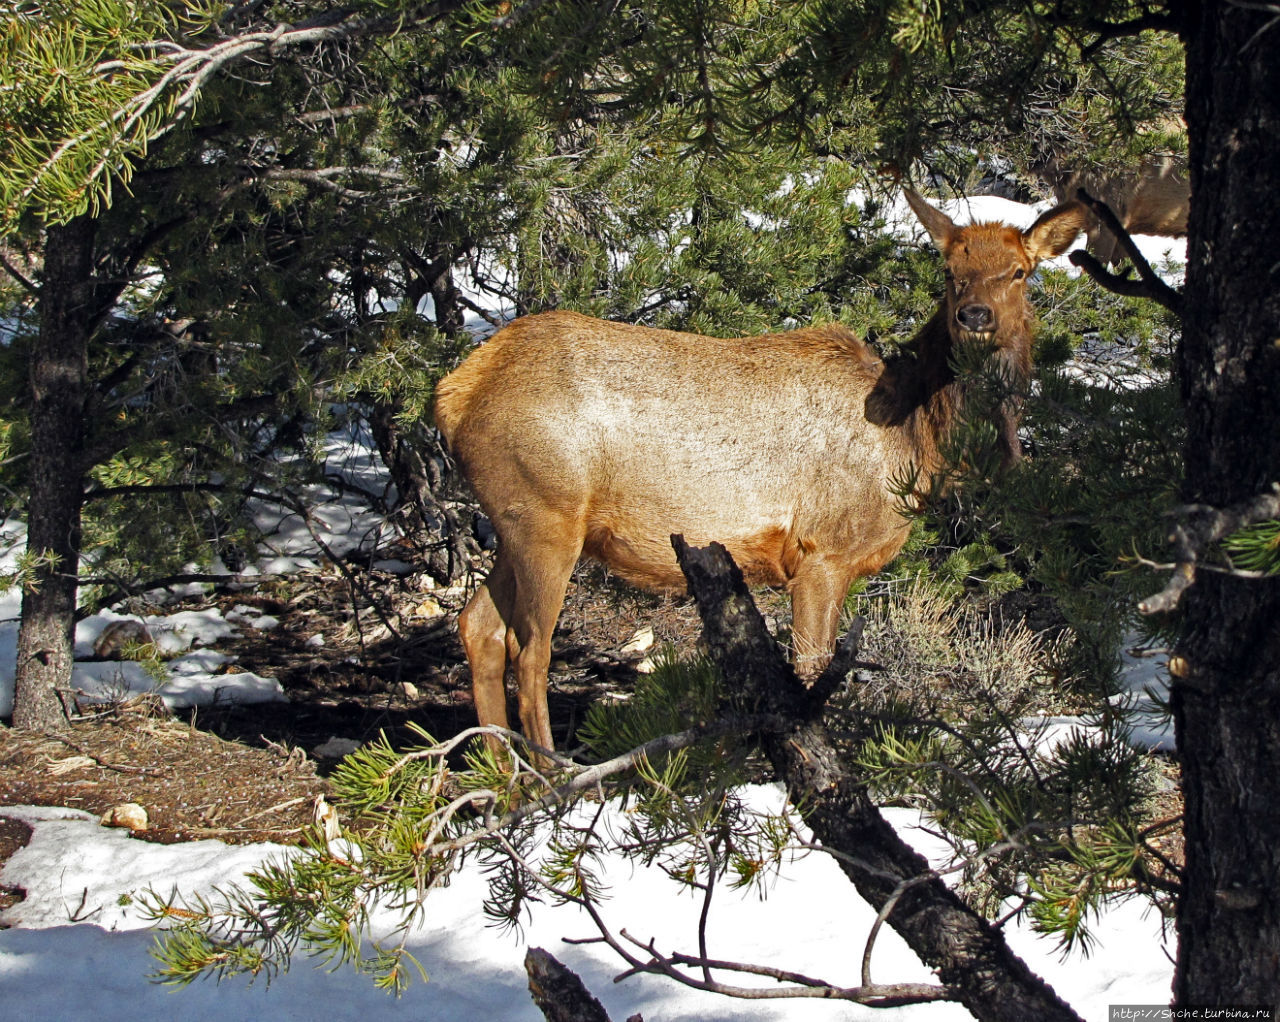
1054 231
940 227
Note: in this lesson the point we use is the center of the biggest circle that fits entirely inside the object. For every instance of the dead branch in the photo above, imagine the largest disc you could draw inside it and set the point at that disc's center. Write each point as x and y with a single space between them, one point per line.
875 995
1148 285
970 956
324 178
558 992
124 768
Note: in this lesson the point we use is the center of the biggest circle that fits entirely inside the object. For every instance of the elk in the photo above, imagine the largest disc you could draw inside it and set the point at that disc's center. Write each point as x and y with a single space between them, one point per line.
582 437
1154 198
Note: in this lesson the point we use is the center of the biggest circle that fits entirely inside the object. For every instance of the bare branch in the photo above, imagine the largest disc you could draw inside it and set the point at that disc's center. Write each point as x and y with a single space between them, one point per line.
324 178
1149 285
878 995
844 661
28 285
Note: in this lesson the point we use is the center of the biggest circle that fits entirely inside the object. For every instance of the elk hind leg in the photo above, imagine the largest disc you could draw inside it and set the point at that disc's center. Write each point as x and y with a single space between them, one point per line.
483 628
542 570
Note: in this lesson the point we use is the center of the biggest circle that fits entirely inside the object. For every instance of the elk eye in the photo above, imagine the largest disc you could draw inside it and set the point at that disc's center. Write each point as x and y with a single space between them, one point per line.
1019 273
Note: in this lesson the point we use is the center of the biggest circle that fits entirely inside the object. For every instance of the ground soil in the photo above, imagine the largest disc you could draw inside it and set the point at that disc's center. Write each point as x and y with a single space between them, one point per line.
390 658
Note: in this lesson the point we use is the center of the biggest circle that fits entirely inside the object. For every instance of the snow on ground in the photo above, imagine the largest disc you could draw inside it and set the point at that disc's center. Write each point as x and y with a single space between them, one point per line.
194 675
812 921
198 676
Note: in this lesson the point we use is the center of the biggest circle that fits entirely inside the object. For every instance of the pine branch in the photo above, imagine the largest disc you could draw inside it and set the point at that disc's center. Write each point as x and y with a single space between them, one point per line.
109 142
1148 21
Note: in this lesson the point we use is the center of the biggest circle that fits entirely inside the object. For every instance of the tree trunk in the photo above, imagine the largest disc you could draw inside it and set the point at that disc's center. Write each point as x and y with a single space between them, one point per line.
1226 694
58 375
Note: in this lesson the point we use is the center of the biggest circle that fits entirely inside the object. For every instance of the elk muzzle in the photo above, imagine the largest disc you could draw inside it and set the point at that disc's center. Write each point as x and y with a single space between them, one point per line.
976 318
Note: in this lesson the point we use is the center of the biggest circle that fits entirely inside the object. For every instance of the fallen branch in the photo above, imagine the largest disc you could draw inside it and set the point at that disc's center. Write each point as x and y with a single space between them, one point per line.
123 768
558 992
273 809
971 957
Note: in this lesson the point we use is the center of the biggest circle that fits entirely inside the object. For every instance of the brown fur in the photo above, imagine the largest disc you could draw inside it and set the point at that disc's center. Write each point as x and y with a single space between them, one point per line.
585 437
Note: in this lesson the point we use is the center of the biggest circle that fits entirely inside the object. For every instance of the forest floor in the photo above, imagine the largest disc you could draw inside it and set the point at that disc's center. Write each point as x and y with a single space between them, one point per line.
244 773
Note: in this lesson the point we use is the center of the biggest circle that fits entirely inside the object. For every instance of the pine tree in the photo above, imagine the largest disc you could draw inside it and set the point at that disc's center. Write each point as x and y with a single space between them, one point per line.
152 218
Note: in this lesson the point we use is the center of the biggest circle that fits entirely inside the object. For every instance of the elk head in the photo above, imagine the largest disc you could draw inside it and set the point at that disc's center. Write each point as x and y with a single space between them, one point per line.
988 264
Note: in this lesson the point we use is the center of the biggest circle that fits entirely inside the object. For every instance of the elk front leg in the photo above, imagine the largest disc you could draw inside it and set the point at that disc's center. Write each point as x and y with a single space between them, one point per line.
817 595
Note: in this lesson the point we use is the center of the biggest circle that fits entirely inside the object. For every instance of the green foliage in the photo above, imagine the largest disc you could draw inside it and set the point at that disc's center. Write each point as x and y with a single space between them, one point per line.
74 79
403 821
396 806
313 236
677 693
948 725
687 812
1071 521
1255 548
28 568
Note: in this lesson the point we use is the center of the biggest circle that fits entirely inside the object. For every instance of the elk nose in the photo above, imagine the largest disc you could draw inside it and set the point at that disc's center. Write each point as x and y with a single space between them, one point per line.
978 318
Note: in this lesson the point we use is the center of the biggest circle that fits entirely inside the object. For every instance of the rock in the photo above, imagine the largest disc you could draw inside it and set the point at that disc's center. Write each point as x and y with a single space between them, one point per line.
335 748
129 814
638 643
326 818
119 634
428 608
405 689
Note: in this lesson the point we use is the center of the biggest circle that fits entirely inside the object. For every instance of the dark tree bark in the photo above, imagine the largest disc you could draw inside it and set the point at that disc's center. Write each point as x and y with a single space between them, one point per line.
420 484
59 387
559 993
969 955
1226 691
